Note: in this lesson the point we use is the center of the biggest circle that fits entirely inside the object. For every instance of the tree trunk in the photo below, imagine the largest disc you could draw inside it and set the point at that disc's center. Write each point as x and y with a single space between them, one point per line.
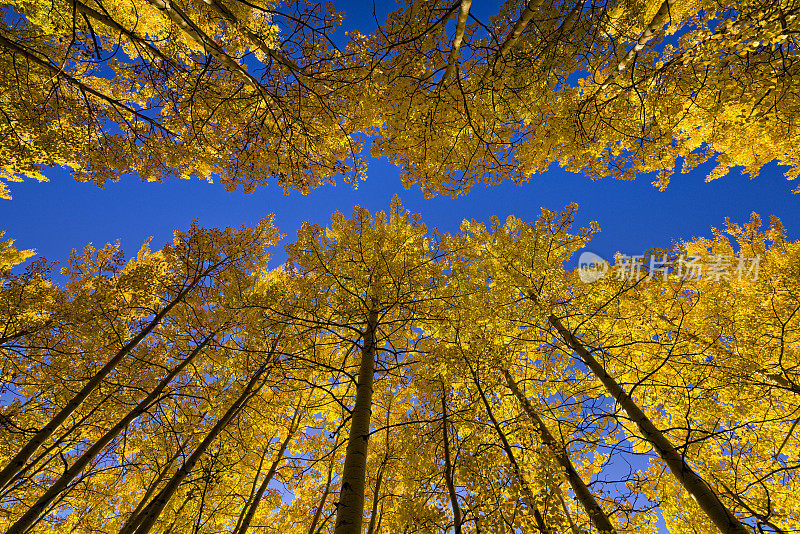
702 493
448 467
376 497
513 36
596 514
324 498
161 475
375 526
251 510
461 24
142 523
24 522
350 508
661 16
526 489
18 462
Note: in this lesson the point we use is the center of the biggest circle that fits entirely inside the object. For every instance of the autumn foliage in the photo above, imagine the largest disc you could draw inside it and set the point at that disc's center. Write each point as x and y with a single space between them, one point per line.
248 93
393 379
389 377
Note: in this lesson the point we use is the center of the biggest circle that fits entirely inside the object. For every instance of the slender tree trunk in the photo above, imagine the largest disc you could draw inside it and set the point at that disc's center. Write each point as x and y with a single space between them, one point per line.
380 518
324 498
142 523
698 488
253 490
24 522
194 32
448 467
254 38
537 516
154 485
526 489
658 20
566 509
208 479
521 23
153 51
16 464
251 510
461 24
596 514
376 497
34 466
350 508
327 518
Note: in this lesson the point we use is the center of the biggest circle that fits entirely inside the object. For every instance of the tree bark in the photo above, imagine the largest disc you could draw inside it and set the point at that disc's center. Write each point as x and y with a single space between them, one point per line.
24 522
251 510
153 485
461 24
275 54
82 8
18 462
182 20
448 467
526 489
376 497
142 523
513 36
318 513
698 488
596 514
350 508
655 25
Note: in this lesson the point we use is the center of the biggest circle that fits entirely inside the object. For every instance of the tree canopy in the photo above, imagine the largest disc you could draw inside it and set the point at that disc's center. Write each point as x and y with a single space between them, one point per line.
388 378
250 92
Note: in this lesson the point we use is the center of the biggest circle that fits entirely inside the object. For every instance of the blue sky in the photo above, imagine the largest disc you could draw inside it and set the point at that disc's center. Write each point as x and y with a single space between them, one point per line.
60 215
63 214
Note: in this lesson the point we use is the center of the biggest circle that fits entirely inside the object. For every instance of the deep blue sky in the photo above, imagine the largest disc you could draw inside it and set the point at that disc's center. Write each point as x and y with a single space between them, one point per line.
56 217
63 214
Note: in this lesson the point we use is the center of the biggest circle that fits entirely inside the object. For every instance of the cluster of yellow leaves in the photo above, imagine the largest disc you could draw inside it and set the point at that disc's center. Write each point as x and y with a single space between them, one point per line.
9 255
200 89
216 90
713 364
